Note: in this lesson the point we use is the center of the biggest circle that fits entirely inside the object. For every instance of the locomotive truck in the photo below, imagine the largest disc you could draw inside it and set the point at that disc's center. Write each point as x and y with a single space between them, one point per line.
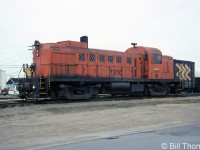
71 70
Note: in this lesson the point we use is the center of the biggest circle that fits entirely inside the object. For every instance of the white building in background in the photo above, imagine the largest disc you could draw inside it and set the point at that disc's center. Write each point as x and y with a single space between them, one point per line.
2 79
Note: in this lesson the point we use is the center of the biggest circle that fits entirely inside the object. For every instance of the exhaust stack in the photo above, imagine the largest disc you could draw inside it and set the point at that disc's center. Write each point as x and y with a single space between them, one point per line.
84 39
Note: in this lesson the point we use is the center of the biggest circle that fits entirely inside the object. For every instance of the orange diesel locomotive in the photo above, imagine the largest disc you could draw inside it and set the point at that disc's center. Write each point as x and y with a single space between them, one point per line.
71 70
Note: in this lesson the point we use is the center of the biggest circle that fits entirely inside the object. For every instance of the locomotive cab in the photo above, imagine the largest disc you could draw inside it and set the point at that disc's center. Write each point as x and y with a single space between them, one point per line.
156 66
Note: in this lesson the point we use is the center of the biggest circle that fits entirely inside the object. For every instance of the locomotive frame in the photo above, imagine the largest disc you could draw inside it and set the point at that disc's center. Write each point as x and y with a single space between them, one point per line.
70 70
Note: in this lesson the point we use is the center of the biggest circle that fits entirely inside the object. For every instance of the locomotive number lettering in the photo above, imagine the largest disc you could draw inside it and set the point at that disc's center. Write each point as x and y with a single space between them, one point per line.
116 72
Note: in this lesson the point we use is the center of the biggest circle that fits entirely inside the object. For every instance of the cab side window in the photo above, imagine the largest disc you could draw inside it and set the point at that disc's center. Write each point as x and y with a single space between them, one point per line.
157 59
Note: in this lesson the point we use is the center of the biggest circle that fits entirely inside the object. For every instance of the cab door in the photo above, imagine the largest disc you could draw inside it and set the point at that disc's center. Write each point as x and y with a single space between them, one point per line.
155 66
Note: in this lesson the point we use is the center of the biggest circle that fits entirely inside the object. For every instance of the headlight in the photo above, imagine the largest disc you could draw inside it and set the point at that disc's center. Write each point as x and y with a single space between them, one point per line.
34 87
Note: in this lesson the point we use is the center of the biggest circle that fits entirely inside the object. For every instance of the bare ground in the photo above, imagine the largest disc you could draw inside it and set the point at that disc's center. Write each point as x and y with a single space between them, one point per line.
36 126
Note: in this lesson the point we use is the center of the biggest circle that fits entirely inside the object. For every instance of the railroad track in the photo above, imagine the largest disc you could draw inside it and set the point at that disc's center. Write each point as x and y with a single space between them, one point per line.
6 103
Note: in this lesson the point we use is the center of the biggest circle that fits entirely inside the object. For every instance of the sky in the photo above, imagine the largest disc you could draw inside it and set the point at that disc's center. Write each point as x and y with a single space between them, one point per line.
173 26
